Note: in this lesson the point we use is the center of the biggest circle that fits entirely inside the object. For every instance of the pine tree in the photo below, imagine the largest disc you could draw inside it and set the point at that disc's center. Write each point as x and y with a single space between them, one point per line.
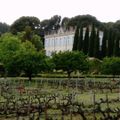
86 41
92 42
97 45
76 37
80 40
104 44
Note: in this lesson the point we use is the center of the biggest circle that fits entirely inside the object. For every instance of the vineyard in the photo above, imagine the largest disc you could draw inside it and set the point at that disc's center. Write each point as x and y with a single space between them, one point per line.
60 99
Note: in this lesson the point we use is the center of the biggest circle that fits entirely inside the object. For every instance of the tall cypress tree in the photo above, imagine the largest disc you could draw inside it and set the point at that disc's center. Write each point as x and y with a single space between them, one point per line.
97 45
116 50
92 42
104 44
80 40
86 41
76 37
110 43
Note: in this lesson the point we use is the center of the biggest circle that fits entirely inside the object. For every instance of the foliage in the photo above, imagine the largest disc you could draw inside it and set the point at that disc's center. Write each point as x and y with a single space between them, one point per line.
84 20
64 22
51 24
92 41
110 43
86 41
28 35
80 40
18 57
76 37
97 45
116 25
49 65
37 42
111 65
94 65
70 61
116 51
9 45
20 24
104 44
28 60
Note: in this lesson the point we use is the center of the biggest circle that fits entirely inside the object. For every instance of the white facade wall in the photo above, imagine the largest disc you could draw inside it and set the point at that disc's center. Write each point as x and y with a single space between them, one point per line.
63 41
59 42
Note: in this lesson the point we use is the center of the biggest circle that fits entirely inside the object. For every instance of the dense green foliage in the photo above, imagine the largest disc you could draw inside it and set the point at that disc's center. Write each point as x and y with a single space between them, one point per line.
92 42
76 38
95 65
70 61
9 45
97 45
20 57
84 20
28 60
111 65
29 35
80 40
86 41
51 24
21 23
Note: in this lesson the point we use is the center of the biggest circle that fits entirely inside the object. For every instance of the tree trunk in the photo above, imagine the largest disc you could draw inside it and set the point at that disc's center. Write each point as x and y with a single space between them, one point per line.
69 75
30 76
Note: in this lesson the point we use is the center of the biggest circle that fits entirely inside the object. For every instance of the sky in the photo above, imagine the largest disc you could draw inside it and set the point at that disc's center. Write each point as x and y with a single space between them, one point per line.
103 10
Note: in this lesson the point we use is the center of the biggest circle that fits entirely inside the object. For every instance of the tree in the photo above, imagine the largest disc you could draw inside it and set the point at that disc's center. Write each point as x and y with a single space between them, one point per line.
49 65
116 25
20 24
20 57
86 41
52 24
110 43
92 42
111 65
80 40
9 45
97 45
28 35
37 42
64 22
28 60
116 51
84 20
94 65
70 61
104 44
76 37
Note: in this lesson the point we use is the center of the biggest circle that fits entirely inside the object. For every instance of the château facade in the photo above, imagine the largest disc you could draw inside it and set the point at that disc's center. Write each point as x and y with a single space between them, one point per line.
62 40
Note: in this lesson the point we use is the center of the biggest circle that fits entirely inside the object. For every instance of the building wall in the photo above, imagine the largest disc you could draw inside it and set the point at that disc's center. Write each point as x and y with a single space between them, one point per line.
59 42
63 41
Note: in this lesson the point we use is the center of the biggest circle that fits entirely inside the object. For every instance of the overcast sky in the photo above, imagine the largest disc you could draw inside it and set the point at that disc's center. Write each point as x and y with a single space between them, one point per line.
103 10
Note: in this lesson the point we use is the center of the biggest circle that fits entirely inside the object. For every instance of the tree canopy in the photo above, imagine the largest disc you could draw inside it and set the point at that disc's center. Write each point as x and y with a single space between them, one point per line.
28 60
70 61
20 57
9 44
51 24
84 20
111 65
21 23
